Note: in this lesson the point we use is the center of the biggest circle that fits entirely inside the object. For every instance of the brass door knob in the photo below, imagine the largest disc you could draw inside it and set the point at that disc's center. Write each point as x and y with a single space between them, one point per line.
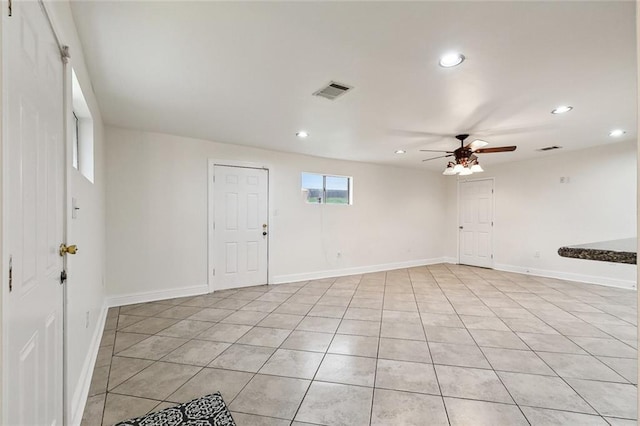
64 249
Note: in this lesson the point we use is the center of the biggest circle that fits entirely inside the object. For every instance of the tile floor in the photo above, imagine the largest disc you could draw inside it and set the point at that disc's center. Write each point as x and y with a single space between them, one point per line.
442 344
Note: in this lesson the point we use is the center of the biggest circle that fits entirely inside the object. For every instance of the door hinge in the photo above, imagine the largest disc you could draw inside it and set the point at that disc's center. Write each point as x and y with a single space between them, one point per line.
63 276
214 225
214 179
492 256
64 53
491 223
214 271
492 191
10 7
10 274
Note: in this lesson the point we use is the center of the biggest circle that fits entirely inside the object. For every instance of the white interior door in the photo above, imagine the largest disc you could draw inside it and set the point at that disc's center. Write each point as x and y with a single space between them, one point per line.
476 223
34 167
240 226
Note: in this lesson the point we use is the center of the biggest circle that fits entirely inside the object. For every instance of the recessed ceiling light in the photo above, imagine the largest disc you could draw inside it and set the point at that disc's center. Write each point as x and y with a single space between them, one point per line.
451 59
400 151
562 109
616 133
302 134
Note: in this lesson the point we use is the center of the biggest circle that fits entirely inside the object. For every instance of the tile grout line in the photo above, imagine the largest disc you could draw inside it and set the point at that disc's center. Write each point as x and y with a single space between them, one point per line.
435 373
324 355
489 362
256 373
526 344
501 381
375 370
106 390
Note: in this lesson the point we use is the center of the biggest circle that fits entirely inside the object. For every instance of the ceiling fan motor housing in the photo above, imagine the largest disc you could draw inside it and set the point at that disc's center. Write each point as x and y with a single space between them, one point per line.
462 137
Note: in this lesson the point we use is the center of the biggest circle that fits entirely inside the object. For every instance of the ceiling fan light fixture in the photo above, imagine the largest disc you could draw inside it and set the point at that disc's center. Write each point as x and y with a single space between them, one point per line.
449 171
466 171
400 151
302 134
476 168
562 109
616 133
458 168
451 59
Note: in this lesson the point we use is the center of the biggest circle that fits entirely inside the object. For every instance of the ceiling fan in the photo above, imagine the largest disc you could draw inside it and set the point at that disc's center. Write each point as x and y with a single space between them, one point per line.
466 161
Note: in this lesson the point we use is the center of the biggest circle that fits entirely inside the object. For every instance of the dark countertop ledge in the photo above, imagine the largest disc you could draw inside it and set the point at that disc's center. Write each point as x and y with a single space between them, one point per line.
616 251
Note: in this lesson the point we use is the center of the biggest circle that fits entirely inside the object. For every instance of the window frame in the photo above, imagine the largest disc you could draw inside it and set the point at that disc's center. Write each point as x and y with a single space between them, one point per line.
324 188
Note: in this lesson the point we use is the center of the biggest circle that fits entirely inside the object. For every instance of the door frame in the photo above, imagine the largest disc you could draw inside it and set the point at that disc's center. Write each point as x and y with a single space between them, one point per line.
212 163
493 215
4 202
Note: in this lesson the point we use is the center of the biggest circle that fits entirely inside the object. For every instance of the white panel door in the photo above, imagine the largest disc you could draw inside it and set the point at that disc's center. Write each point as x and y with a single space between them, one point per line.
33 84
240 226
476 223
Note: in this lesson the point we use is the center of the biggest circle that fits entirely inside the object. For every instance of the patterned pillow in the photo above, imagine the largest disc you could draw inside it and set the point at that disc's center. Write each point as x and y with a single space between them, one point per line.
208 410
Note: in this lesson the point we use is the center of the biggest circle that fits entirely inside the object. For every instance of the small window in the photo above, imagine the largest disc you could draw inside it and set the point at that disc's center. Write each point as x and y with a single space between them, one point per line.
326 189
81 131
76 141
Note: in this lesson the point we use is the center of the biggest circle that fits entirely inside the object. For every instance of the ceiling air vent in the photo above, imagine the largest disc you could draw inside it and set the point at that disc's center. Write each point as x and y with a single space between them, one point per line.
550 148
333 90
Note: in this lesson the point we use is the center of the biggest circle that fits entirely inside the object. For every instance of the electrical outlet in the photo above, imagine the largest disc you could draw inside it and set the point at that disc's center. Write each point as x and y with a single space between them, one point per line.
536 255
86 324
338 255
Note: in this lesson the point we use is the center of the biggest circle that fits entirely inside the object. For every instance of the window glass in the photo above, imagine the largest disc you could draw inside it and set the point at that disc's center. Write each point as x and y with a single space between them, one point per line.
337 190
313 187
76 141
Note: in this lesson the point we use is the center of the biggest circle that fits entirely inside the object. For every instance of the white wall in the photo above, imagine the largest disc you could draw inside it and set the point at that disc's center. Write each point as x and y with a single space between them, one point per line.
535 212
86 270
4 267
157 214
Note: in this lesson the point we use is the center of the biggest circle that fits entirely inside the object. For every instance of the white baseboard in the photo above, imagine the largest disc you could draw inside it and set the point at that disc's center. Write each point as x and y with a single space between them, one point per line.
79 398
569 276
151 296
290 278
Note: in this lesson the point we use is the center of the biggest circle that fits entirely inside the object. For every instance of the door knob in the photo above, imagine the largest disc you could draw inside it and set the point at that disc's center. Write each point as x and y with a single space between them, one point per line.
64 249
461 227
264 233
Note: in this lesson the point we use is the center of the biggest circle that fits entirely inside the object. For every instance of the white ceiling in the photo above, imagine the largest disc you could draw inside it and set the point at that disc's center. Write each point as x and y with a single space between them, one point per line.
243 73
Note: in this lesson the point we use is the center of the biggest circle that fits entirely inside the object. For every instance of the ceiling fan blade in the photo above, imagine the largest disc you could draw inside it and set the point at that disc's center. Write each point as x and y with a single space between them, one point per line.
480 115
418 133
496 149
419 136
477 144
436 150
435 158
512 130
